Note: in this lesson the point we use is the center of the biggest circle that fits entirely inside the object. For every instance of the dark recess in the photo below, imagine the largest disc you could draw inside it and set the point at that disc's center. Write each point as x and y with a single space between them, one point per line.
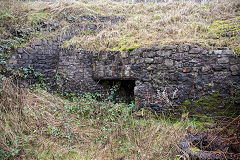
122 92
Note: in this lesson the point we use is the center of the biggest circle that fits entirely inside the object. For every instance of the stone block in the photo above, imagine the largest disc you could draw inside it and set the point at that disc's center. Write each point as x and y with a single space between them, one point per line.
170 48
234 60
126 73
217 67
12 61
149 60
149 54
195 50
194 60
218 52
177 56
228 52
223 60
20 50
206 68
168 62
100 74
124 54
235 69
37 42
166 53
149 68
183 48
158 59
187 70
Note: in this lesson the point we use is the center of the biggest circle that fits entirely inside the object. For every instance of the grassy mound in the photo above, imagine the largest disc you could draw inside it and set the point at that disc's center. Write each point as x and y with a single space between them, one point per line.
104 25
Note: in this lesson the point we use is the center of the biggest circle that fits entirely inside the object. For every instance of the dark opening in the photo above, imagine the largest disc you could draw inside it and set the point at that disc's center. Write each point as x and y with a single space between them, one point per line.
118 90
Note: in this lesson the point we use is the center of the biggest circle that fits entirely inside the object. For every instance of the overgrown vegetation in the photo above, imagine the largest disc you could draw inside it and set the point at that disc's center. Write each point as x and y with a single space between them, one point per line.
37 125
104 25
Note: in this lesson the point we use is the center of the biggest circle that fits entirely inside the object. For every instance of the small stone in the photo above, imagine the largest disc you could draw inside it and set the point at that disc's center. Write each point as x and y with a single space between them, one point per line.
104 56
149 60
148 54
187 70
168 62
234 60
195 50
37 42
228 52
218 52
12 61
149 68
158 60
100 74
127 73
177 56
184 48
124 54
206 68
20 50
25 56
217 67
235 69
170 47
166 53
223 60
194 60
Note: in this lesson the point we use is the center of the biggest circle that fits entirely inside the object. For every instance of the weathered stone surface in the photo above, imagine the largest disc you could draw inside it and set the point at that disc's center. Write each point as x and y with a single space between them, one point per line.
235 69
223 60
195 50
149 60
217 52
158 60
168 62
37 42
206 68
183 48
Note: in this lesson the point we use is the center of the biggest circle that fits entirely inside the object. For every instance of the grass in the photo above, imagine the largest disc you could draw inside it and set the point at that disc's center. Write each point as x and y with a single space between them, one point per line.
35 124
211 24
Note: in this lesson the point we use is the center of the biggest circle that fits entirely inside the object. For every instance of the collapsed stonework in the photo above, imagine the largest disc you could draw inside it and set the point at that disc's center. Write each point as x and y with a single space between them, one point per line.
156 77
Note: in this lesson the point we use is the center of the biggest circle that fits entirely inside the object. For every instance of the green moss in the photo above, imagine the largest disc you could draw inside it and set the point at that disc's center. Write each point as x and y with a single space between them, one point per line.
37 17
205 108
195 149
226 28
131 48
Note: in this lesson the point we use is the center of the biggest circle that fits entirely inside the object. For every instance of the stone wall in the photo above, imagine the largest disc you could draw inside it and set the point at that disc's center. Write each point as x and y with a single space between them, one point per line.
172 74
164 76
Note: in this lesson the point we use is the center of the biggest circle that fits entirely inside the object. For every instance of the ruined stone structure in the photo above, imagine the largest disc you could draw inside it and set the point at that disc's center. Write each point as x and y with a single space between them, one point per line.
155 77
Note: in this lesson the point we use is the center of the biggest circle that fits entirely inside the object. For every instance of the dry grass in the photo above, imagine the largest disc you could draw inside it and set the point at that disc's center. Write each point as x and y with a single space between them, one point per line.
37 125
145 24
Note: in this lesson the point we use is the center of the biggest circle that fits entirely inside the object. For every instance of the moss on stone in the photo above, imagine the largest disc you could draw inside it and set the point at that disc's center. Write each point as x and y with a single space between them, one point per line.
212 106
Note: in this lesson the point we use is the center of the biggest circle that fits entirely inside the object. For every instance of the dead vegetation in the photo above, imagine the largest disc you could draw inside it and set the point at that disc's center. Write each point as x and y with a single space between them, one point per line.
104 25
37 125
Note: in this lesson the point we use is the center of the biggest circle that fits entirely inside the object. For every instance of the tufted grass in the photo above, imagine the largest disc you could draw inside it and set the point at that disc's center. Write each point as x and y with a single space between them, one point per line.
35 124
145 25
